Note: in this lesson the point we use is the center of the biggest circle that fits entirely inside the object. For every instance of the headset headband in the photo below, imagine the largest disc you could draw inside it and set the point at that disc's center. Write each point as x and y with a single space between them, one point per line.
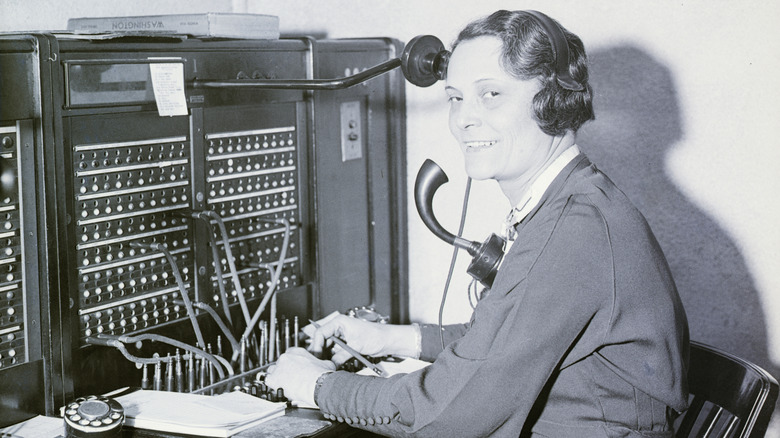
560 49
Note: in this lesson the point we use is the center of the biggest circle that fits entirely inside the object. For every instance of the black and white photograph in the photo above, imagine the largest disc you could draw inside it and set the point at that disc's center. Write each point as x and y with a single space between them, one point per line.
340 218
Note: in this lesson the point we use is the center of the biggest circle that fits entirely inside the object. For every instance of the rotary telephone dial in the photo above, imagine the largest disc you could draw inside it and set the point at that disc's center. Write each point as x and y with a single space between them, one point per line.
93 417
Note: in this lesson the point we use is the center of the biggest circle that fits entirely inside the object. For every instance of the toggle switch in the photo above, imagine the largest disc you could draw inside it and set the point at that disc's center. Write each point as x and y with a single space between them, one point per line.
351 132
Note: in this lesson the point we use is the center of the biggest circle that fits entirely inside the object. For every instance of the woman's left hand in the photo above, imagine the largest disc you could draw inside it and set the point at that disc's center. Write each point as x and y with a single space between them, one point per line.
297 371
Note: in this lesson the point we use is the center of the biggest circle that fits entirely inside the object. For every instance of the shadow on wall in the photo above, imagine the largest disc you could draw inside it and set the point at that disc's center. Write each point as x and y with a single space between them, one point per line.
637 122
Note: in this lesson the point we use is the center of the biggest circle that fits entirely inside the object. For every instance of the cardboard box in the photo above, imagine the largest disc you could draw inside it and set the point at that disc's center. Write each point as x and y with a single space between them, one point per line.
208 25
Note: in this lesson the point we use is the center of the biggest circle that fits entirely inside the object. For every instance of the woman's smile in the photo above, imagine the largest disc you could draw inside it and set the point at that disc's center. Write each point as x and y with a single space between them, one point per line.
479 145
492 118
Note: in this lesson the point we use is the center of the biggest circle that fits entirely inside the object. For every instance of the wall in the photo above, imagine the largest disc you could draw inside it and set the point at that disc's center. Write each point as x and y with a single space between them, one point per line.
686 114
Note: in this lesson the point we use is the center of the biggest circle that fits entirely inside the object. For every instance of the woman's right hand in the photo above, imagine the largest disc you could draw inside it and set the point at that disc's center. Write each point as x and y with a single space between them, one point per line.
367 338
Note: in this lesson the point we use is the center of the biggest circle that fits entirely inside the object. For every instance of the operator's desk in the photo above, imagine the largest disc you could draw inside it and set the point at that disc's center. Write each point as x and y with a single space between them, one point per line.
335 430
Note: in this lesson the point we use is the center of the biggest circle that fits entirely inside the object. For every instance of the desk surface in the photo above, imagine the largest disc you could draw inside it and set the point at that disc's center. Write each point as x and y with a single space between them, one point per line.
295 423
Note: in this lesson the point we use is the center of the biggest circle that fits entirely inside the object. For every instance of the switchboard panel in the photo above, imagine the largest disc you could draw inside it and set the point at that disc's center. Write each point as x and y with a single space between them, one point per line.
128 188
129 225
30 361
14 327
363 169
171 210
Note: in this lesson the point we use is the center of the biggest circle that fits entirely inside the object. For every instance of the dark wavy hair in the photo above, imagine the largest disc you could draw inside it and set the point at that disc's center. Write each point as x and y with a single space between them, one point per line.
528 54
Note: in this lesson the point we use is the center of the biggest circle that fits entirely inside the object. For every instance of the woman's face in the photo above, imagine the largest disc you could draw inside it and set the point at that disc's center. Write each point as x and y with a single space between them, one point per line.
491 115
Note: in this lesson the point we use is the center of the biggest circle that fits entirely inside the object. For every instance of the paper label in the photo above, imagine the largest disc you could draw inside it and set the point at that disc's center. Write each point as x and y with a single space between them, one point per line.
168 85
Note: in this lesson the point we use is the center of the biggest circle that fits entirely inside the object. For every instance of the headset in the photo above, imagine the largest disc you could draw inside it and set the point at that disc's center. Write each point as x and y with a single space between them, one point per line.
432 66
560 49
424 59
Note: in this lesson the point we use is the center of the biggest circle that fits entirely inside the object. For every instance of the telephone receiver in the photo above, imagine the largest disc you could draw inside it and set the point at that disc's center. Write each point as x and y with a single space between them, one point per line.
486 255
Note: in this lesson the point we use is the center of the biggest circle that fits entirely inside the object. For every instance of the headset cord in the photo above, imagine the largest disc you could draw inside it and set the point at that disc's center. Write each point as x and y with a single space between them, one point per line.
452 262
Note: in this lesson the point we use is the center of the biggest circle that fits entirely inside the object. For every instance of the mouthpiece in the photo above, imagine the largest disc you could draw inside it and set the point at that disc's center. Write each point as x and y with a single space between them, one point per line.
429 179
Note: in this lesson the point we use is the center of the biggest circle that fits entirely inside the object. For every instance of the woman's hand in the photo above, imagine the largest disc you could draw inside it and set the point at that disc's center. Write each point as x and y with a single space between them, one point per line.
368 338
297 371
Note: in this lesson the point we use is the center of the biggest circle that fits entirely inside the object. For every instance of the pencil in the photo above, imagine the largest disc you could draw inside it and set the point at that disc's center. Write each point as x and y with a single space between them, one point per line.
353 352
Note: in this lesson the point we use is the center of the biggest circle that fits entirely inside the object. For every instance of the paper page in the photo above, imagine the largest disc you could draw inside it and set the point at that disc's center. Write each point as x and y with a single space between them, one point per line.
195 413
36 427
168 85
239 403
389 368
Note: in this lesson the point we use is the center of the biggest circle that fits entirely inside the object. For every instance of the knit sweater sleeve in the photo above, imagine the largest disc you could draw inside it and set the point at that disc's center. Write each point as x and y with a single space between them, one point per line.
487 381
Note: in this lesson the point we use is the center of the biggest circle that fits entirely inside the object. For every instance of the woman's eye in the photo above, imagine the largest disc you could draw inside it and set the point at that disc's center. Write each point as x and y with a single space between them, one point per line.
490 94
454 99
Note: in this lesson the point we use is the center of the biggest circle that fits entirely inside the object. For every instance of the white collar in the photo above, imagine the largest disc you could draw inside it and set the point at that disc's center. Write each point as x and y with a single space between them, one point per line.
534 194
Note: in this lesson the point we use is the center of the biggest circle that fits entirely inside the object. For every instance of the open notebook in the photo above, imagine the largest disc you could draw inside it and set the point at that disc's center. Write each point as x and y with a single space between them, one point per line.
221 415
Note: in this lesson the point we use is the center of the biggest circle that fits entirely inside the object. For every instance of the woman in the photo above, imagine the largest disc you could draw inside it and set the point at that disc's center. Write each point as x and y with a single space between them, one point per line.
582 333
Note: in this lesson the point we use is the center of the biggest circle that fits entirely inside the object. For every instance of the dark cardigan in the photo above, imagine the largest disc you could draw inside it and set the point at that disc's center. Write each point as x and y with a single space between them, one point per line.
582 335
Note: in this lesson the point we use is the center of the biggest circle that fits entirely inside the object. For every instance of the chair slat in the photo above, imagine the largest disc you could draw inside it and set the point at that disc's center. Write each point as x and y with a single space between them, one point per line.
689 419
708 429
731 397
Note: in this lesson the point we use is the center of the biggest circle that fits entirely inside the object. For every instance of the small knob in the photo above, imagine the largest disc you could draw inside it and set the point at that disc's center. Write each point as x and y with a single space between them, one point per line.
8 142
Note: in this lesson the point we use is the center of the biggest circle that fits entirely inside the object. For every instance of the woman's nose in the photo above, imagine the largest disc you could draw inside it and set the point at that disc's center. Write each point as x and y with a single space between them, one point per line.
467 117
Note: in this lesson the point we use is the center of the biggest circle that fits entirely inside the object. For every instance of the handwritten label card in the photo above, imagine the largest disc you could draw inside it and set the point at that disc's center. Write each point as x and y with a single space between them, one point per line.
168 85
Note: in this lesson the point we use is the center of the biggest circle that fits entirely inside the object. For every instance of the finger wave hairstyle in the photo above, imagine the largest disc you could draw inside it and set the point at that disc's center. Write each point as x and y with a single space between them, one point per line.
528 54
